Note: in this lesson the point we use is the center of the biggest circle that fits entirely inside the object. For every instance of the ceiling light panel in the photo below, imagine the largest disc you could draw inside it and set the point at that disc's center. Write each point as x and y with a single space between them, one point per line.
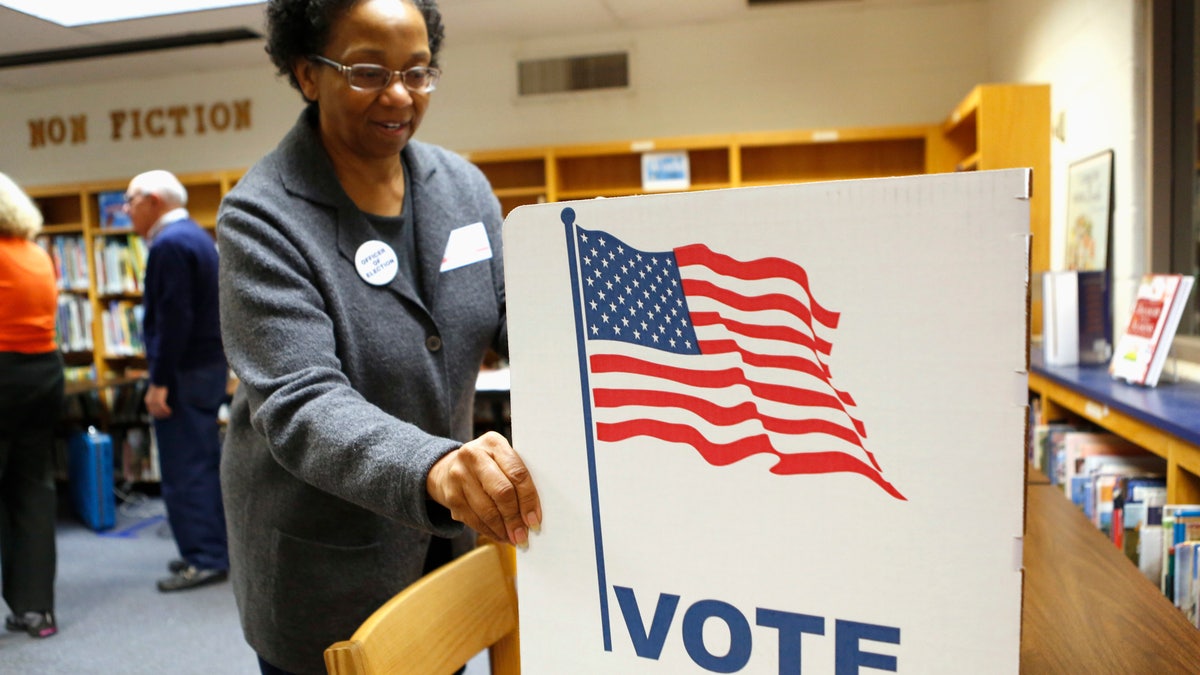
80 14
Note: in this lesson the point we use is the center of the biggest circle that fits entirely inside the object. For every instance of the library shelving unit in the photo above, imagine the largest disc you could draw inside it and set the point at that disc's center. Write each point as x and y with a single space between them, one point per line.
1163 420
996 126
1076 562
1003 126
73 210
518 177
72 213
613 169
773 158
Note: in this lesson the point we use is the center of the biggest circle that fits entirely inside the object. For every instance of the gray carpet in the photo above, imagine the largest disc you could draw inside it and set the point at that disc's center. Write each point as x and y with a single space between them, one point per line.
112 619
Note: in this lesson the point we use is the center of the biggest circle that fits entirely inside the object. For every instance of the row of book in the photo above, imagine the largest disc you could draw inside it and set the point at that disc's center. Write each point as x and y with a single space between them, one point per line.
73 325
120 265
133 437
69 255
1121 488
122 323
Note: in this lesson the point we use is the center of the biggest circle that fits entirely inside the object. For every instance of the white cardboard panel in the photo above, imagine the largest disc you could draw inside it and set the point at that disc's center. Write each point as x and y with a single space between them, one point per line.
929 277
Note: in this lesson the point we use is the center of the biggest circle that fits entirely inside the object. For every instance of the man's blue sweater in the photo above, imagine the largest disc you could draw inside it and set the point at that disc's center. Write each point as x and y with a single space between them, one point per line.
181 324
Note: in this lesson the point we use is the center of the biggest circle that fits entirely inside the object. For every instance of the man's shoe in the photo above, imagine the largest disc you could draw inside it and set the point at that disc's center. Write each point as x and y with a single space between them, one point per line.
37 624
177 566
191 577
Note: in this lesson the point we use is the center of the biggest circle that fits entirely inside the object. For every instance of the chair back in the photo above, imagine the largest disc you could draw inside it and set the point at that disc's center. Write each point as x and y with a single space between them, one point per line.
440 622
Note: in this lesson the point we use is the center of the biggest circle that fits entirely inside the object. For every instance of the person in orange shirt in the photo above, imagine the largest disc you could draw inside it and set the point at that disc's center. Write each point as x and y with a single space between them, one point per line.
31 399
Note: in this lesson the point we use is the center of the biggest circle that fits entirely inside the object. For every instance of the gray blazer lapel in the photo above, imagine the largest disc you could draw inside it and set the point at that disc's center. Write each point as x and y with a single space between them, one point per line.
316 181
431 218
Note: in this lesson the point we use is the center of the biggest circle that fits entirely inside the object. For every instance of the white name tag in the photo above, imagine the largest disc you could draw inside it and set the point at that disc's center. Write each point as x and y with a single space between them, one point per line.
467 244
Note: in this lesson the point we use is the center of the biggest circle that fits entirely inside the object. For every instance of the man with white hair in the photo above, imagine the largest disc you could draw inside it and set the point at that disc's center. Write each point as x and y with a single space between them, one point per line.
188 374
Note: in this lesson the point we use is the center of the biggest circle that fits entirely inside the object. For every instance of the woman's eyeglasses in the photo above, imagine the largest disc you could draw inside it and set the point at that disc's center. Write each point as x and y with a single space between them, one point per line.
372 77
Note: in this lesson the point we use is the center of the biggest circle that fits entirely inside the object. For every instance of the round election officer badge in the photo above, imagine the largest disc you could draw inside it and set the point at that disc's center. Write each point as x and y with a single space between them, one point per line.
376 262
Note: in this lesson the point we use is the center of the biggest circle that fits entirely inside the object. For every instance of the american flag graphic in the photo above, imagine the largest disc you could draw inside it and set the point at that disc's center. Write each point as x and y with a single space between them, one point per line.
695 348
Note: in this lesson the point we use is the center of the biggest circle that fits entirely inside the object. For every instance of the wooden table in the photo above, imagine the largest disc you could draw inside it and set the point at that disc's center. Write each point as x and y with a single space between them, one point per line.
1087 609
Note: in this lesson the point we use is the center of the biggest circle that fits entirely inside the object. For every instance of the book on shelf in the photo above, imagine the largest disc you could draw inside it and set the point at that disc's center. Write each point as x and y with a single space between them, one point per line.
68 254
122 324
112 210
73 324
1046 447
1078 446
1132 498
1185 578
1095 488
1142 350
1149 544
138 456
120 265
1077 328
1180 523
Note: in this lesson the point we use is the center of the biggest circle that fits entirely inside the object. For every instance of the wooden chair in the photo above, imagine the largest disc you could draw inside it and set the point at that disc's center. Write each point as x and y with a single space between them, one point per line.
437 624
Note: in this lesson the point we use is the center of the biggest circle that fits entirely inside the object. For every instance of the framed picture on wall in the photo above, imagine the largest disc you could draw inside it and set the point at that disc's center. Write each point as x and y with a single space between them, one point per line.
1089 226
1089 212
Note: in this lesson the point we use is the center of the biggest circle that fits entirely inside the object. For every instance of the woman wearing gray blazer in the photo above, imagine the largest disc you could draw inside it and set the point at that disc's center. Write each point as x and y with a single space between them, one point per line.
362 282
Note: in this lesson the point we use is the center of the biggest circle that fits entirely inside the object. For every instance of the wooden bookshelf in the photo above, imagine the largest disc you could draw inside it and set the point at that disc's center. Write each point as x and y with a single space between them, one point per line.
831 154
1162 420
996 126
1003 126
1080 575
518 177
73 210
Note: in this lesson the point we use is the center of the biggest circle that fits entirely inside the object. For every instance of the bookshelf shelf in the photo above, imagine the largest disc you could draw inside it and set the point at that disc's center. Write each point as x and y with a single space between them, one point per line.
969 163
62 229
518 177
520 192
1156 420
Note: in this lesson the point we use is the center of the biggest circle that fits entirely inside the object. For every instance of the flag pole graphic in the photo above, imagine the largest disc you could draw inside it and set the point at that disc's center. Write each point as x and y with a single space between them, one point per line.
568 219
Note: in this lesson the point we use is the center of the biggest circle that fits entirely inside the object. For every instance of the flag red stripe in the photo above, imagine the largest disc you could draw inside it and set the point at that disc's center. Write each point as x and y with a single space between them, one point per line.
792 363
713 379
781 333
748 303
722 416
723 454
754 270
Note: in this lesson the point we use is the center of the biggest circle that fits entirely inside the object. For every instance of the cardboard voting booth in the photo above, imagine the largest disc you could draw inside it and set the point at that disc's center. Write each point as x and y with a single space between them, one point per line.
776 429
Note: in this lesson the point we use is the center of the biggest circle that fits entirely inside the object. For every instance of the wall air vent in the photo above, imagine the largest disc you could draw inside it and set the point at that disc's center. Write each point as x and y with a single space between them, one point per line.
573 73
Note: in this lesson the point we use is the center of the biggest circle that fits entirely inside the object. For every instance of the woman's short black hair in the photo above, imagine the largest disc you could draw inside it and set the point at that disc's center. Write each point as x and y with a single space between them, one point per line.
297 28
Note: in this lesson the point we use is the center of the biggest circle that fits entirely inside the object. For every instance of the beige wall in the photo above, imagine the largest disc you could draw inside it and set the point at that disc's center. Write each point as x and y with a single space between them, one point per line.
823 66
1093 55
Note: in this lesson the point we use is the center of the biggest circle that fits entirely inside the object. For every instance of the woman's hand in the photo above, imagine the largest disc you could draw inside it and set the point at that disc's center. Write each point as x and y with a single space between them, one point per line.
485 485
